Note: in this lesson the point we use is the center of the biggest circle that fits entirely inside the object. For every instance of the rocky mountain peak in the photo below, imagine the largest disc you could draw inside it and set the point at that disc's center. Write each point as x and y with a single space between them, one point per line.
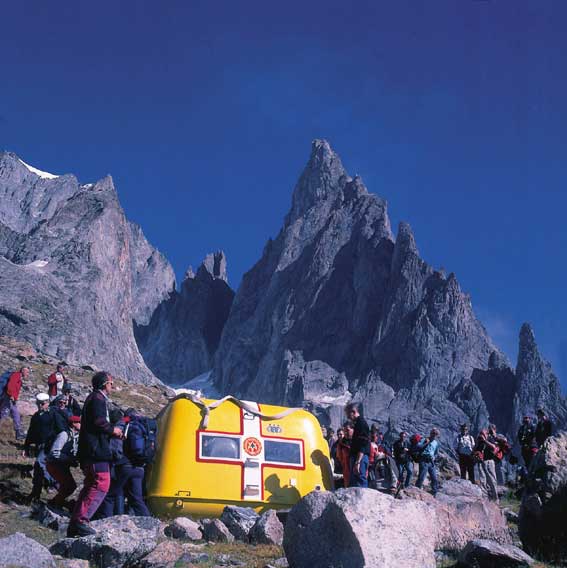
538 386
214 266
321 180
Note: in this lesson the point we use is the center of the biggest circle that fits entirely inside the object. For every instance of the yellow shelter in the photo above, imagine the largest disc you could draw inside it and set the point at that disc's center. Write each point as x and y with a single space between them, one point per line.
229 452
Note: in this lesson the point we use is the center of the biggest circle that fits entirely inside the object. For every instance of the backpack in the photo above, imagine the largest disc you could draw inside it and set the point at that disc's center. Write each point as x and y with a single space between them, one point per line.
116 445
4 380
504 448
140 443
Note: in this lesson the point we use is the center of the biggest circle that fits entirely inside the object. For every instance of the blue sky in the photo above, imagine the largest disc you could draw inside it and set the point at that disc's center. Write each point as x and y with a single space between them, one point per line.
203 112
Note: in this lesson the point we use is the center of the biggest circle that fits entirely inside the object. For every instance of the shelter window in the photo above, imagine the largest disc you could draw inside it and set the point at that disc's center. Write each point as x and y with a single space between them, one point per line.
220 447
290 452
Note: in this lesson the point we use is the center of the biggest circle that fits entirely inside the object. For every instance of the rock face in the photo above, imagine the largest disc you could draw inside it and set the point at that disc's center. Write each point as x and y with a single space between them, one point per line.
183 333
20 551
337 308
462 514
335 530
489 554
74 272
268 529
543 513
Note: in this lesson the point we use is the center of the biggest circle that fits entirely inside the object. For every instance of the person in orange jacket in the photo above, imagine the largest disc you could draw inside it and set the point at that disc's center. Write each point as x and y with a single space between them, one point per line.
9 400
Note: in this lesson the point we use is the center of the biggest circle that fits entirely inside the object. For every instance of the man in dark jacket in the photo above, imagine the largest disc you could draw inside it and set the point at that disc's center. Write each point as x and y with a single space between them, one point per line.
359 448
94 455
527 440
403 461
40 435
543 429
73 406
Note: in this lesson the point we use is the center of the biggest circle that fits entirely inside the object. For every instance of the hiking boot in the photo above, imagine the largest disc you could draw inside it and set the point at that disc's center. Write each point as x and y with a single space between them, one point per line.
79 529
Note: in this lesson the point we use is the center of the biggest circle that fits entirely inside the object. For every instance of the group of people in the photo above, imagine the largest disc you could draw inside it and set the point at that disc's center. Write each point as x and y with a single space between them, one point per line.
112 448
361 455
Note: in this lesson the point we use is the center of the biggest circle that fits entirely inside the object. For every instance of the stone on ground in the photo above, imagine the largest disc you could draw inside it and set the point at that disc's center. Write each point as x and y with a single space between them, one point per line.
268 529
489 554
119 540
340 529
214 530
17 550
61 562
239 521
184 528
164 555
543 513
462 514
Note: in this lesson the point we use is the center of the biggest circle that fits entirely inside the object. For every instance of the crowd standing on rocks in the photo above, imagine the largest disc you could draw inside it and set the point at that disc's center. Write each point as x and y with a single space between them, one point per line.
111 448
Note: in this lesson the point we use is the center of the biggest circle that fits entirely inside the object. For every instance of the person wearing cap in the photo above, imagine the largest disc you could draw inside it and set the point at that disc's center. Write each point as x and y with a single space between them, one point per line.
543 429
61 458
94 454
73 406
55 382
9 400
429 450
40 435
527 440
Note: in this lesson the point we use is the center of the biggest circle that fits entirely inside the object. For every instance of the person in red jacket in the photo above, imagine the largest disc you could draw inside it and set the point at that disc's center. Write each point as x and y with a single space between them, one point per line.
55 382
9 400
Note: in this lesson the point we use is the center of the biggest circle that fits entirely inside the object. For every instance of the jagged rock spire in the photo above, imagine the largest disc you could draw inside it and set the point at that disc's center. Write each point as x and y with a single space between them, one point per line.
214 265
321 179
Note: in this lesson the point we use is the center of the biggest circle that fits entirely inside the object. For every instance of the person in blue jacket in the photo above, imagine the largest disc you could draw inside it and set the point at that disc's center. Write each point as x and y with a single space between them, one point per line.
429 449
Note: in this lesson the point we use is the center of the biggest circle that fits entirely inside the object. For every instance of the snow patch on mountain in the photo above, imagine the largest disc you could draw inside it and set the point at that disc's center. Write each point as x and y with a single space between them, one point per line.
39 173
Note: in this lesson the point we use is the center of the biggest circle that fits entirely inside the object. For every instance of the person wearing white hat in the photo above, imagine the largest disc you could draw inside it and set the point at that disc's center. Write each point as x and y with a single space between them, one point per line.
40 434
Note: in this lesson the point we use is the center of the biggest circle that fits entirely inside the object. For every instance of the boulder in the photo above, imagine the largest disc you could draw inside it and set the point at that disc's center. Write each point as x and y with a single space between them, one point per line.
340 529
214 530
239 521
489 554
164 555
61 562
268 529
184 528
543 512
119 540
462 514
19 550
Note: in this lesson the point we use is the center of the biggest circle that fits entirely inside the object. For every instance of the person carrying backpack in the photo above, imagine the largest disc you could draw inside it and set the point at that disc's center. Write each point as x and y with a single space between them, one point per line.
9 400
55 382
429 449
40 435
543 429
485 452
360 446
464 446
403 460
61 458
94 454
527 440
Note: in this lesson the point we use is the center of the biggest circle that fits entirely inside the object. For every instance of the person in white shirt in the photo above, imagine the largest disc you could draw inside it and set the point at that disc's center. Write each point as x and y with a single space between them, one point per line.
464 446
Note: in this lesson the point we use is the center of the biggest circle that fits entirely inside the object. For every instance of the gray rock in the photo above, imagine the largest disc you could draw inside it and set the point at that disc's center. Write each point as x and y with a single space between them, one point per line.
268 529
462 514
543 512
180 340
239 521
61 562
511 516
214 530
120 540
488 554
336 530
71 270
164 555
184 528
19 550
153 279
